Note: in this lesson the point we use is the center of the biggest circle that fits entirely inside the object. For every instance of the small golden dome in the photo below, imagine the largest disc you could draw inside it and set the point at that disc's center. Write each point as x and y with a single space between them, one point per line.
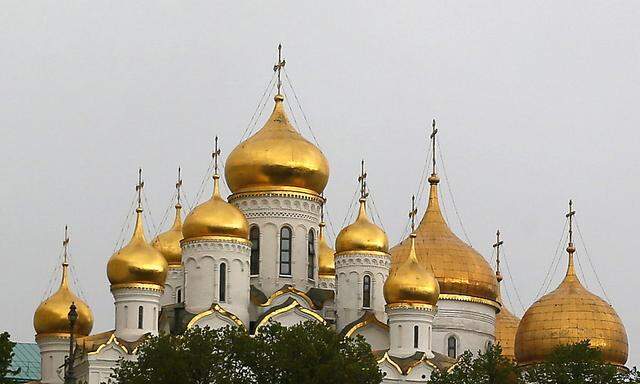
362 235
326 263
51 315
570 314
168 243
137 262
506 327
277 158
460 270
411 283
215 218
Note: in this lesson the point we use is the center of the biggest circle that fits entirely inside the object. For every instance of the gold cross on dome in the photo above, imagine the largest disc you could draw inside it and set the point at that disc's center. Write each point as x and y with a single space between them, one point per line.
139 187
65 243
570 217
215 154
434 132
362 179
497 247
179 185
279 66
413 213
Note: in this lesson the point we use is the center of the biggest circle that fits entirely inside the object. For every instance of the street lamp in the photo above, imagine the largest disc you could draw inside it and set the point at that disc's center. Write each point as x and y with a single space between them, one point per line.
69 377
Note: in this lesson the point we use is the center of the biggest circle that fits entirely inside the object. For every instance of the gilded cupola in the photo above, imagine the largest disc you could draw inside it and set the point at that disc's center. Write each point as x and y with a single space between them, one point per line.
51 316
137 262
568 315
506 322
326 262
462 272
277 158
215 217
168 243
362 236
411 283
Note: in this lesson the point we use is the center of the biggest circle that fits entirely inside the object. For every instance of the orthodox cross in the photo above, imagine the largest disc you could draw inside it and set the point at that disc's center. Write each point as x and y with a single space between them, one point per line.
434 131
324 201
215 154
362 179
139 187
412 213
570 217
178 186
65 244
279 66
497 247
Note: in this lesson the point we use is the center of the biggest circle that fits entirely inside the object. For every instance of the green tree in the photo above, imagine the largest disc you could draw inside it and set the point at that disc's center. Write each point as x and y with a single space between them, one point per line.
578 363
6 356
490 367
309 353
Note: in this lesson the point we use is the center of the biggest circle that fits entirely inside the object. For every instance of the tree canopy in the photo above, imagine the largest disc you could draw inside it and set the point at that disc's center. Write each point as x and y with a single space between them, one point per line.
490 367
6 356
305 353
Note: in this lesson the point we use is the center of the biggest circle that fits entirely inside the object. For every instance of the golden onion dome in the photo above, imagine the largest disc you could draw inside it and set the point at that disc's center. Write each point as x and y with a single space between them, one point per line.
51 316
411 283
137 262
460 270
277 158
326 262
362 235
168 243
215 218
506 327
568 315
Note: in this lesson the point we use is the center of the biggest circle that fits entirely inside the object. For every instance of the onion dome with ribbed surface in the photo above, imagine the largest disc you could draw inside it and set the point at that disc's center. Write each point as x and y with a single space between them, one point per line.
277 158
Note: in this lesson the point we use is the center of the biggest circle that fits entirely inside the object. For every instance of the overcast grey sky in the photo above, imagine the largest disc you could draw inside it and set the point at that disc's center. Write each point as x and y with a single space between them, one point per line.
537 102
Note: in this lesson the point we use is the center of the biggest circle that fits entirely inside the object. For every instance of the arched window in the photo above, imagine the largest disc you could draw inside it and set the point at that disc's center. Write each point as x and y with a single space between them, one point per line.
223 283
254 237
416 332
366 291
311 254
285 251
179 295
140 316
452 347
126 316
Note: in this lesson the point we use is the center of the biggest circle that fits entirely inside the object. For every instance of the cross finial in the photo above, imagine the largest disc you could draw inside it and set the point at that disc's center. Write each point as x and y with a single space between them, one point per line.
434 132
215 154
362 179
65 245
139 187
497 247
412 213
570 217
178 187
324 201
279 66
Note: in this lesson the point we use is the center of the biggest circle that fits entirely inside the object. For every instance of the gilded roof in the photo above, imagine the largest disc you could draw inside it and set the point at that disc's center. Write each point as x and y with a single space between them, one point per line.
568 315
460 270
506 328
326 263
168 243
277 158
362 235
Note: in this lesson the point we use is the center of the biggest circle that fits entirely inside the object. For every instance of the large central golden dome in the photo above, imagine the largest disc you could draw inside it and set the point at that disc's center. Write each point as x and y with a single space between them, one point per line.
51 316
568 315
460 270
277 158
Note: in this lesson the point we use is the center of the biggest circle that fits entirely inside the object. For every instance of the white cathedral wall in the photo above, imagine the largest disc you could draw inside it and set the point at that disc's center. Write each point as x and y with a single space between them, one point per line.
472 324
402 323
202 260
350 271
270 212
128 300
53 350
174 282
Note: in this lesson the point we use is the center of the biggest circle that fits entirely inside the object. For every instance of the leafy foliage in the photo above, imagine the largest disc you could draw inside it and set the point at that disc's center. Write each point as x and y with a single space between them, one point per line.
305 353
490 367
578 364
6 356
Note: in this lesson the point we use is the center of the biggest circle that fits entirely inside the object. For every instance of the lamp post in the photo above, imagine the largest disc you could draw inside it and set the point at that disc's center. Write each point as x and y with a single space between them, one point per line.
69 377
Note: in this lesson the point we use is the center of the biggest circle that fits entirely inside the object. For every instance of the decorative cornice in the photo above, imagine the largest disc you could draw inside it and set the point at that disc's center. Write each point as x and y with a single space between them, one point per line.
416 306
288 289
142 286
471 299
291 306
214 239
216 309
363 253
277 193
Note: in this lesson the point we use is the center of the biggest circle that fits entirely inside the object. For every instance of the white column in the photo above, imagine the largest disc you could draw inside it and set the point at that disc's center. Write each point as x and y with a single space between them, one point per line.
203 260
137 310
410 329
351 269
53 350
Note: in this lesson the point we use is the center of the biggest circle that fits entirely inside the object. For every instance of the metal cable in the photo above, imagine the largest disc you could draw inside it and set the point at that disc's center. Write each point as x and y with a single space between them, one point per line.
348 214
586 251
125 224
453 201
266 90
166 213
255 122
147 212
506 257
205 177
293 115
304 115
376 211
556 261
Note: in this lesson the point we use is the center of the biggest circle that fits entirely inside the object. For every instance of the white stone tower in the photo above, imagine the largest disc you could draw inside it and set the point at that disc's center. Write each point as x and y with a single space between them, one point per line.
362 265
215 255
137 273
